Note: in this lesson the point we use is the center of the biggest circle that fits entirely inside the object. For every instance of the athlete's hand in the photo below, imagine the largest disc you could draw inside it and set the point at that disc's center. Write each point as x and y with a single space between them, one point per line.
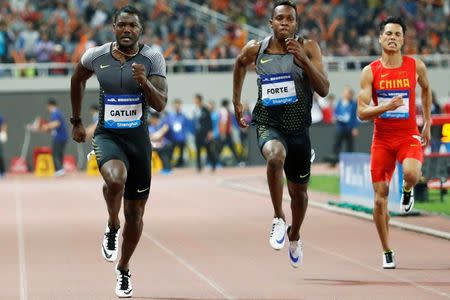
138 71
238 113
295 47
395 103
426 135
79 133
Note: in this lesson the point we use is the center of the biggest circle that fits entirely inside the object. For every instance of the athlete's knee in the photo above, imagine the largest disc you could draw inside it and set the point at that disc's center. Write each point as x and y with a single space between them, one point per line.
380 203
411 177
133 214
275 158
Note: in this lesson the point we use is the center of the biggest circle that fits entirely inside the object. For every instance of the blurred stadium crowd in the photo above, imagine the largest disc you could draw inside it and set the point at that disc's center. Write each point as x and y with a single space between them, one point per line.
60 31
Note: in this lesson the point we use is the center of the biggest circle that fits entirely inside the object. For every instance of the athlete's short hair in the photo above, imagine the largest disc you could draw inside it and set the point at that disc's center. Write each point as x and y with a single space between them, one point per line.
393 20
52 101
284 2
129 10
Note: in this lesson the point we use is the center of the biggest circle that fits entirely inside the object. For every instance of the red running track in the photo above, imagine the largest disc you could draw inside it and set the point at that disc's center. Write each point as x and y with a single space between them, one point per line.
202 239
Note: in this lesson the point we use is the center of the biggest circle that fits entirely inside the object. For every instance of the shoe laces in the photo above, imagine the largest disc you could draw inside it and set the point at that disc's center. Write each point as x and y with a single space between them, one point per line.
275 226
124 279
111 238
406 197
388 257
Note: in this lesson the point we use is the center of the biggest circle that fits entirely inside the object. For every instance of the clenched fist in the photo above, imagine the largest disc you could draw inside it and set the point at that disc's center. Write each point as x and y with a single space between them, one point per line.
138 71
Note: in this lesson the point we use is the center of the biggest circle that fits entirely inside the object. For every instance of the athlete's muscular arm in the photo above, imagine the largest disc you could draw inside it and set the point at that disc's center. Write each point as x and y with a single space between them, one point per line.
365 110
422 79
243 60
77 86
155 87
307 55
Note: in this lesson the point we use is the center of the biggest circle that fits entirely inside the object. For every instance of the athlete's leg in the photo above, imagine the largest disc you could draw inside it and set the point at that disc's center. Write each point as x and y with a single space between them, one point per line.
132 230
275 154
114 173
299 204
381 212
412 170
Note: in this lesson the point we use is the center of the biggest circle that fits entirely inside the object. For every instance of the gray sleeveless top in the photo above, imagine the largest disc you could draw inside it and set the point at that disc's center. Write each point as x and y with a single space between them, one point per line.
284 92
122 102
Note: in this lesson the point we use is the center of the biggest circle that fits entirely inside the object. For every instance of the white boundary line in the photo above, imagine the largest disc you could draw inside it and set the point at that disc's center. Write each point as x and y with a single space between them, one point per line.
395 223
397 278
445 235
20 243
191 268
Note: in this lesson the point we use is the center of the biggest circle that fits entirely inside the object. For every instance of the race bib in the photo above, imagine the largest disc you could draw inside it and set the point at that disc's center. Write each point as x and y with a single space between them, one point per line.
278 89
402 112
123 111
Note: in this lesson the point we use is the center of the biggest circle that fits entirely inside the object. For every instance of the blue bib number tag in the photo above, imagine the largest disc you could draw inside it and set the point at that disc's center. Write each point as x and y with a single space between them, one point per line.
402 112
123 111
278 89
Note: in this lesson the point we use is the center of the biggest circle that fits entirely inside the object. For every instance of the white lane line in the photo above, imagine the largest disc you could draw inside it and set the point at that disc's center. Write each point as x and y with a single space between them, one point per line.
191 268
420 229
415 228
20 243
385 273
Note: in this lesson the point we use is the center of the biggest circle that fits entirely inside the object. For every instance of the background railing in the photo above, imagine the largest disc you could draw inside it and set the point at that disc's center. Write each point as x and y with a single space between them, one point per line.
332 64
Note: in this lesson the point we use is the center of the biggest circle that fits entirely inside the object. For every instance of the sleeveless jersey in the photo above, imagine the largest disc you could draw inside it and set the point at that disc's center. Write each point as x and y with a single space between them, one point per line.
122 101
388 83
284 92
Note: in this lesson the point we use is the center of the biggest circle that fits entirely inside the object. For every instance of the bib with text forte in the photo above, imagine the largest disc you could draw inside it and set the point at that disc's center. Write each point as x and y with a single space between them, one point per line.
278 89
401 112
123 111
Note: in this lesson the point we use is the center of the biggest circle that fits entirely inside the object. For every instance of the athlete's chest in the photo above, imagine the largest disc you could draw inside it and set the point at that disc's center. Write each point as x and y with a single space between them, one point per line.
115 77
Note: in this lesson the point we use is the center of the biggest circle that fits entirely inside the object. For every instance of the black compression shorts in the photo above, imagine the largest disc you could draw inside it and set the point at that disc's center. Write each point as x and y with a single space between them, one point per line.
297 165
134 150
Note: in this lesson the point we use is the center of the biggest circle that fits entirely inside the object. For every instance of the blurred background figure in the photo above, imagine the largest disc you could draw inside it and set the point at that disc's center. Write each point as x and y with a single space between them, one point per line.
436 130
3 140
58 130
243 133
203 133
346 123
225 131
158 131
178 131
90 129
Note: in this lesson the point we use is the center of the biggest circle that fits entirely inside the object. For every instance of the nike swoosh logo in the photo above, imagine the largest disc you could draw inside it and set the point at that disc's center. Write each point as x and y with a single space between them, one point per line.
106 253
263 61
103 66
294 259
384 75
303 176
141 191
127 292
280 241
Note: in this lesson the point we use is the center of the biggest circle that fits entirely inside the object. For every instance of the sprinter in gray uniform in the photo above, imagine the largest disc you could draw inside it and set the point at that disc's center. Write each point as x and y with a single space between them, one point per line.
132 78
289 71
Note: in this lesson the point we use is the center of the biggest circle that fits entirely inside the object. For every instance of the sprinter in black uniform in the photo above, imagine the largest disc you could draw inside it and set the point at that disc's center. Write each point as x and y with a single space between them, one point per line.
289 71
132 78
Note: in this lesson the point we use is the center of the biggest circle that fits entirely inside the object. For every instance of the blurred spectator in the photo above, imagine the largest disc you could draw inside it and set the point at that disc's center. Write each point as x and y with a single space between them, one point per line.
225 131
328 109
346 123
57 128
178 130
158 130
90 129
3 140
59 56
203 133
243 132
436 130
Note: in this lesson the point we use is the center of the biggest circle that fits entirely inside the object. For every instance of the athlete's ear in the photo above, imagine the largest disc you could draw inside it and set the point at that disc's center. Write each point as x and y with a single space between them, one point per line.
270 23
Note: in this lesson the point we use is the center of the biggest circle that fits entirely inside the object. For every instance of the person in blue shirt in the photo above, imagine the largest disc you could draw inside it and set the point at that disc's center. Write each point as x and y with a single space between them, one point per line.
178 130
158 130
57 127
346 122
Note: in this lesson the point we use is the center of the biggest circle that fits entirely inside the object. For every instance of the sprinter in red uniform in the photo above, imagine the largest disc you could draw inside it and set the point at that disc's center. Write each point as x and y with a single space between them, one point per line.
391 83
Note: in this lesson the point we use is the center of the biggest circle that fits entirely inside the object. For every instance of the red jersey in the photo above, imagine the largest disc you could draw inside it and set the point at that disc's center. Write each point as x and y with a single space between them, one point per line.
388 83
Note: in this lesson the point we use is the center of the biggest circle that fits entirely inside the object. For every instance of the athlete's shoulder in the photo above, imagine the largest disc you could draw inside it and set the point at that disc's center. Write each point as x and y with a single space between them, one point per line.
93 53
151 53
